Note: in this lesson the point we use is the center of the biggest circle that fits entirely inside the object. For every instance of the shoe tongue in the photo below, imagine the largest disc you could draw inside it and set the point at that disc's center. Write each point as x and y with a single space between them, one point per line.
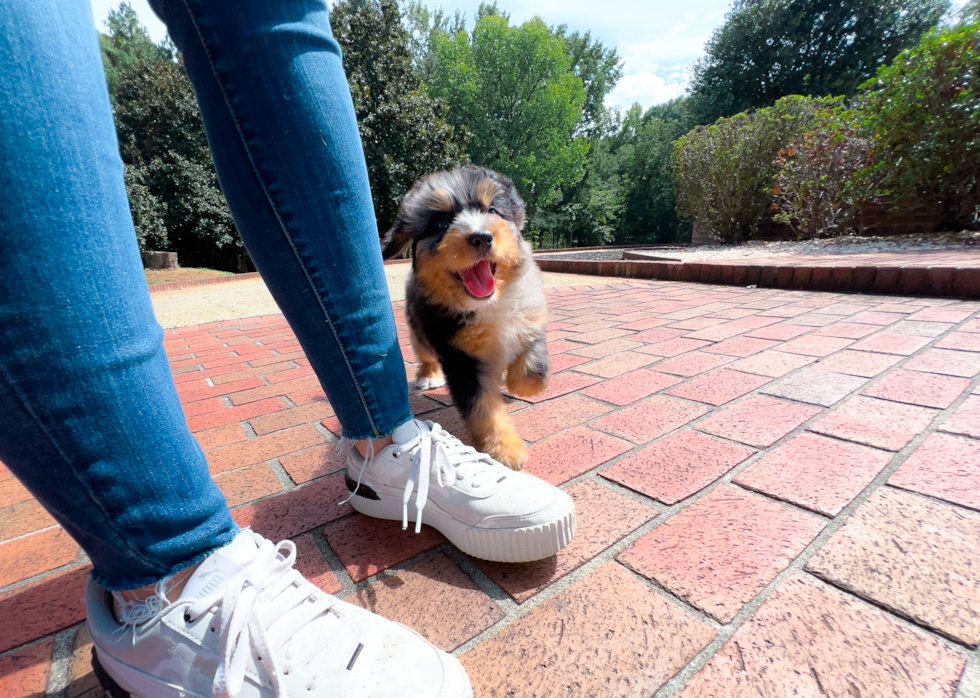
221 566
408 431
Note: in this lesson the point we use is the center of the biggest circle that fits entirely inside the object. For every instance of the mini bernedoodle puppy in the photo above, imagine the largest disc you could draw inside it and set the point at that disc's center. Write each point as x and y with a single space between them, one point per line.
474 300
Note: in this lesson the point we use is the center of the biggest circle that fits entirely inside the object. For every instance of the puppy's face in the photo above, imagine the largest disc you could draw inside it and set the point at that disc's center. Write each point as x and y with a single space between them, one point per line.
465 226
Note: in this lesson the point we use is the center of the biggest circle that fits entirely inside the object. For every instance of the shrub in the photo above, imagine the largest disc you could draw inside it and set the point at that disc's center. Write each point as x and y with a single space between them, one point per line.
724 174
815 192
922 115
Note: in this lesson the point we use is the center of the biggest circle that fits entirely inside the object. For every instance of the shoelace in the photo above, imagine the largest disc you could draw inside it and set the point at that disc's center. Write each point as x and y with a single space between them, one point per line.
271 607
438 453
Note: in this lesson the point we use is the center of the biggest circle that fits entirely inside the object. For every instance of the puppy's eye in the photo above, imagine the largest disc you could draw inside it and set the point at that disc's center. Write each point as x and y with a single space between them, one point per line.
444 223
494 211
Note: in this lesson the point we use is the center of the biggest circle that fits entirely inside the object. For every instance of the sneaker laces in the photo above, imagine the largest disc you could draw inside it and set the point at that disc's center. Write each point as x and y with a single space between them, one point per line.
270 606
437 454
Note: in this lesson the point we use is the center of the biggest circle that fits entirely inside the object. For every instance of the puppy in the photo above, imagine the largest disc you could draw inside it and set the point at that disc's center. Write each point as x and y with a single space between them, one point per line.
474 300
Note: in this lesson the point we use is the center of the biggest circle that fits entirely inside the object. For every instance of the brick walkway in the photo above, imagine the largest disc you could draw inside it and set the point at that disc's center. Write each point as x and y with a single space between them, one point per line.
778 495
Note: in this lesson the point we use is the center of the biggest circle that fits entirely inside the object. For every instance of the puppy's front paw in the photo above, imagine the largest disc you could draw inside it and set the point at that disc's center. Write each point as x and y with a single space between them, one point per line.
510 451
525 385
430 382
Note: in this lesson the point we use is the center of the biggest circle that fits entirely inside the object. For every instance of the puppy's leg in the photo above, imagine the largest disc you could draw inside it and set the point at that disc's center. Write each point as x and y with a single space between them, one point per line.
530 372
430 374
490 425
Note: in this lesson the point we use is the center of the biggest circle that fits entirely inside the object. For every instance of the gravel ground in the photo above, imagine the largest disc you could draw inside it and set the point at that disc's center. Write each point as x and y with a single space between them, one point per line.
847 245
196 305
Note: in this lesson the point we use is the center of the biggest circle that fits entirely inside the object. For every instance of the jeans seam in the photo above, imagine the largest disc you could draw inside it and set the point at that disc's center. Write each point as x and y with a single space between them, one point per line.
91 495
275 210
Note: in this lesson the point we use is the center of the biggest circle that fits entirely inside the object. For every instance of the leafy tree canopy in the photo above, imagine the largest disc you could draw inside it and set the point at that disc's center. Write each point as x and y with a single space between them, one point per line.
768 49
516 89
403 129
170 175
127 45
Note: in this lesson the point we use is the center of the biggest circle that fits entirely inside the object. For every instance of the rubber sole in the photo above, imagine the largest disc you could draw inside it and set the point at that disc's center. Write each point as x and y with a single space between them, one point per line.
495 544
108 683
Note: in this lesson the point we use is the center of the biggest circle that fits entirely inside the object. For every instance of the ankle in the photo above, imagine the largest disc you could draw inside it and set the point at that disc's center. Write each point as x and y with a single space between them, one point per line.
379 444
169 588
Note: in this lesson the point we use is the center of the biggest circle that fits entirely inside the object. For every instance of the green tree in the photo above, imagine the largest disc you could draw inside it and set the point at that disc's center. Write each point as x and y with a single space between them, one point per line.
127 45
403 129
922 117
599 68
768 49
515 88
970 12
649 213
171 174
424 27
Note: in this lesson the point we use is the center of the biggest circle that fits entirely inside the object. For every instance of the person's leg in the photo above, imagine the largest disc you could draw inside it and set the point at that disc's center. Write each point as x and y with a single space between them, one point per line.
91 423
282 128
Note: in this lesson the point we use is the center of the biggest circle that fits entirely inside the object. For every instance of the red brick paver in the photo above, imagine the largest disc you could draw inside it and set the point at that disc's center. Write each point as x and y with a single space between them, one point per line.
814 472
808 640
610 635
741 541
677 466
912 555
707 435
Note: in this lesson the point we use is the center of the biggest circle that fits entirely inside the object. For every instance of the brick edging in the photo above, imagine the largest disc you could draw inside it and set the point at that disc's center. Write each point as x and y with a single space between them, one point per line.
177 285
958 282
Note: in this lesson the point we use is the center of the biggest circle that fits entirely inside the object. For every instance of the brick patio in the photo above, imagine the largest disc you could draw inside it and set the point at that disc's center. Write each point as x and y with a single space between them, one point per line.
778 494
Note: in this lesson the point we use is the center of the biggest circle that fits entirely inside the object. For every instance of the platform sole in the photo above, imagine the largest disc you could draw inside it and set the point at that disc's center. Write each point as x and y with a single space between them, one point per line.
524 544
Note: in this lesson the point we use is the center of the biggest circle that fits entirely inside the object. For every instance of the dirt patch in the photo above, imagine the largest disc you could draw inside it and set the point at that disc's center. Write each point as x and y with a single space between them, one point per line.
164 276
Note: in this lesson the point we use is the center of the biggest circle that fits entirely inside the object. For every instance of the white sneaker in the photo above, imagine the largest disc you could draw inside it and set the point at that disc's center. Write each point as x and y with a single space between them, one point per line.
248 625
484 508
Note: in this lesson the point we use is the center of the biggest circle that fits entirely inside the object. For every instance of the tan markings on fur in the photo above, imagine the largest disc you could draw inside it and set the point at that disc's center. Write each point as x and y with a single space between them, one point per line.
481 341
432 270
430 368
492 430
441 200
520 382
506 251
486 190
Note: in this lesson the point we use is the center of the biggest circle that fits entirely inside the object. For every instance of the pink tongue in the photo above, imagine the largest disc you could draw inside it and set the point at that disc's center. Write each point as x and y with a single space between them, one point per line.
479 279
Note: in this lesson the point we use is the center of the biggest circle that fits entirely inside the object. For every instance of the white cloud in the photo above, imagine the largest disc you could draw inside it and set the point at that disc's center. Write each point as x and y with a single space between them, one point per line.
646 88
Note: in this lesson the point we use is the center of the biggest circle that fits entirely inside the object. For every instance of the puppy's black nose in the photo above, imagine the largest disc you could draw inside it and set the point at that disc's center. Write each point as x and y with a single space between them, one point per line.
482 240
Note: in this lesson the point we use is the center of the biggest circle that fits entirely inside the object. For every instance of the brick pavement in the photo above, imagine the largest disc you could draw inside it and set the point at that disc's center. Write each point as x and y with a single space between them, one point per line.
778 494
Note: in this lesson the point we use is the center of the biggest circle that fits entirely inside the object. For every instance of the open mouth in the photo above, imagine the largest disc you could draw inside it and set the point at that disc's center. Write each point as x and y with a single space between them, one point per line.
478 280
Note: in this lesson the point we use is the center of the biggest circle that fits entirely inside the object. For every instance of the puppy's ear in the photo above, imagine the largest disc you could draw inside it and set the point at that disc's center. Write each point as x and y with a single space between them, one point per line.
396 240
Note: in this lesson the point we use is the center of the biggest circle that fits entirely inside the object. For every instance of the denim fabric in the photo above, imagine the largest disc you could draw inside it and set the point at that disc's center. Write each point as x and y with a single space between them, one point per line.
281 124
89 417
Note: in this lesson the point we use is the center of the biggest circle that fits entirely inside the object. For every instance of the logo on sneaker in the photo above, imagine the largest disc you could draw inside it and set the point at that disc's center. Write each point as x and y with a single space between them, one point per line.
208 667
362 489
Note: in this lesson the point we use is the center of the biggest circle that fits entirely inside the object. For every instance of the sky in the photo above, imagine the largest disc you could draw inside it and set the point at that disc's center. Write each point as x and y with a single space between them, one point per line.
658 40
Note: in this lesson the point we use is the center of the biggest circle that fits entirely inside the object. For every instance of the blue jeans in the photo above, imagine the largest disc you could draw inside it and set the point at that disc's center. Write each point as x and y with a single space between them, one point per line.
89 417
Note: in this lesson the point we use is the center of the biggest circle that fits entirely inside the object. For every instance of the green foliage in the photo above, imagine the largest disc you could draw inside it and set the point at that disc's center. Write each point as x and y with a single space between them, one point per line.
148 211
815 192
514 87
171 177
424 27
724 174
922 115
970 12
768 49
599 68
126 46
650 214
403 129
